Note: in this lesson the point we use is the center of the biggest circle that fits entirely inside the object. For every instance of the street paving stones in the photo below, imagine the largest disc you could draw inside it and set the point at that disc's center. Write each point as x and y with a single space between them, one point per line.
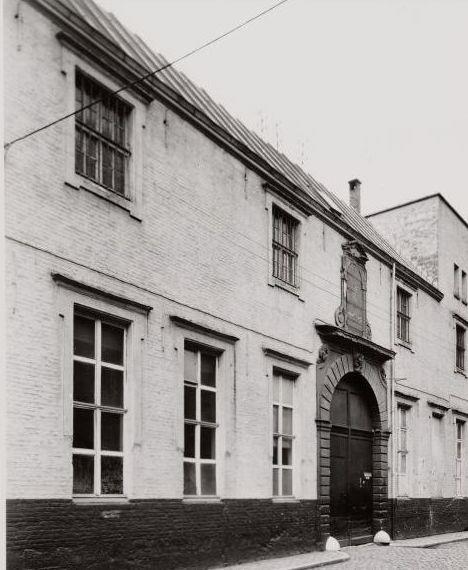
453 556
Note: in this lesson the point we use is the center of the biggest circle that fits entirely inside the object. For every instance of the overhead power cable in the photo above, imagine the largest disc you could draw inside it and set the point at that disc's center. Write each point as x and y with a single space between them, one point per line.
147 75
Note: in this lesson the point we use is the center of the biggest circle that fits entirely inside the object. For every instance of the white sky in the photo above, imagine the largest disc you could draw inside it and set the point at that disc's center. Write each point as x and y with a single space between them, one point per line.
371 89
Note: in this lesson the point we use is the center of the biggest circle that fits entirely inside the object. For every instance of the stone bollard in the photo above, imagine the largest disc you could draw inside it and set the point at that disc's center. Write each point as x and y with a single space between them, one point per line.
382 538
332 545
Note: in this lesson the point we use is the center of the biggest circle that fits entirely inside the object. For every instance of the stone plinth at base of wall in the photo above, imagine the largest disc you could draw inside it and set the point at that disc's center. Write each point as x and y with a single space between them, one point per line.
156 533
421 517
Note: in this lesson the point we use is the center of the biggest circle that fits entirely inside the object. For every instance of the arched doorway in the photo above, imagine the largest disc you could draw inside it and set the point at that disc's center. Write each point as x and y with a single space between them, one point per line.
353 417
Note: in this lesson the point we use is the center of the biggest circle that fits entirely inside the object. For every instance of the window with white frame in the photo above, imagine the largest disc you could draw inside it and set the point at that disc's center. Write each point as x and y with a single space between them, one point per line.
460 428
464 288
101 134
403 315
460 347
200 420
402 448
285 247
283 433
98 405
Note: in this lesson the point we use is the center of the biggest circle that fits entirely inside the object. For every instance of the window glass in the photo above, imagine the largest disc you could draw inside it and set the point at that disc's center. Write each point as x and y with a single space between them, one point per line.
283 434
83 382
111 387
111 475
112 344
83 474
111 431
83 340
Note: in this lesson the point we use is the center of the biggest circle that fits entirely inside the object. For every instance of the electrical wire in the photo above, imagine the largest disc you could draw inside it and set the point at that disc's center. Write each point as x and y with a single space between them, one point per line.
147 75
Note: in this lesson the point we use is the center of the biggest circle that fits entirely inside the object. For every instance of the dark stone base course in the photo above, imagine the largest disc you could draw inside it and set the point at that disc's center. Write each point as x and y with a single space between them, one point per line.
158 534
421 517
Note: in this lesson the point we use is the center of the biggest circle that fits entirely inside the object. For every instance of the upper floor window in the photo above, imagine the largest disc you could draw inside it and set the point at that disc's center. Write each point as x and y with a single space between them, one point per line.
98 406
200 420
456 281
283 434
403 315
285 250
460 347
101 135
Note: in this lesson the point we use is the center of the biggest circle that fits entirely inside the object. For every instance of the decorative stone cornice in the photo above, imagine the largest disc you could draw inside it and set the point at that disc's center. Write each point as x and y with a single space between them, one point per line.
353 343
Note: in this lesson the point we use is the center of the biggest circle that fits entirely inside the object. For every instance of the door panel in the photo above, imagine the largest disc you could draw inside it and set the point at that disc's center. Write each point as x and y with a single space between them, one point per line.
351 464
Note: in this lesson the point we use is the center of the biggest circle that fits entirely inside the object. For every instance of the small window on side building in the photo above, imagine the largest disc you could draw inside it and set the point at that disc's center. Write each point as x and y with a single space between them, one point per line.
460 429
456 281
464 287
460 347
403 315
402 448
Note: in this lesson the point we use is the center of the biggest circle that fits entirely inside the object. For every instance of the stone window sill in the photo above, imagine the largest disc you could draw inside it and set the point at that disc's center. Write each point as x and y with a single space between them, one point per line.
82 183
199 500
285 287
404 344
100 500
284 500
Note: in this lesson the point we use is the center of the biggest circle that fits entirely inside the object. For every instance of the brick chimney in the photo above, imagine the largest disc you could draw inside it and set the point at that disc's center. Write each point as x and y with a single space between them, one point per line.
355 194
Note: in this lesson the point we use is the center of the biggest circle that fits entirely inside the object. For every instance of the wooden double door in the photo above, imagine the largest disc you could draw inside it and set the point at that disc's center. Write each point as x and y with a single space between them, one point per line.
351 462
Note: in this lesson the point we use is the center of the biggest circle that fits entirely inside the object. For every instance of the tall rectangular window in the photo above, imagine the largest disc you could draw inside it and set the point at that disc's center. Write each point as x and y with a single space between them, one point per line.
456 281
464 287
283 434
402 448
284 245
200 420
98 406
403 315
460 428
460 348
101 134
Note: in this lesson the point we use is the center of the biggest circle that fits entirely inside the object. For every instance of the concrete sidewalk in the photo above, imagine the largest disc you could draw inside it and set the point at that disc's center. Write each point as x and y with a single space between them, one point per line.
296 562
429 541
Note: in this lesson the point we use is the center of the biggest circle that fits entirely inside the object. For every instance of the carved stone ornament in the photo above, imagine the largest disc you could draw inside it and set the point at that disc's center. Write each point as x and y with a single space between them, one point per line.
351 315
383 374
323 354
358 361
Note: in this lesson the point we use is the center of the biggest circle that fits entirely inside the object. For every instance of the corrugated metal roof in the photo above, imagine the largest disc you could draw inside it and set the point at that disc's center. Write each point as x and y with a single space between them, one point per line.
108 25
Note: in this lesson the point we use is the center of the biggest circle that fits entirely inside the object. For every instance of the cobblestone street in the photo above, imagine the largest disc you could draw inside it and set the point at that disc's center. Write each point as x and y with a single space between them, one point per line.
371 557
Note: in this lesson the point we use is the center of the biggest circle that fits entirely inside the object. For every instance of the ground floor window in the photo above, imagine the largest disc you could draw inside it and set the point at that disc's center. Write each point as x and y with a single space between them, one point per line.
98 405
402 448
283 434
200 420
460 429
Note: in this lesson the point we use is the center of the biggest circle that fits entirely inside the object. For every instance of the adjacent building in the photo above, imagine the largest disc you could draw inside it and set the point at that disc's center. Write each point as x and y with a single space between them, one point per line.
210 357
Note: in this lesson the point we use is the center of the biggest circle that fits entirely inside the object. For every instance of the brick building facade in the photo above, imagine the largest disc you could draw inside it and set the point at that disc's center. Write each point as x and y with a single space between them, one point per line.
207 333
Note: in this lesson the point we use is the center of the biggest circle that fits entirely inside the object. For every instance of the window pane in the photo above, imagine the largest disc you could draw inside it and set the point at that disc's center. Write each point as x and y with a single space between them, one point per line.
83 337
189 440
287 481
275 451
112 387
83 382
275 481
83 428
287 421
276 381
83 474
402 417
275 419
288 391
459 450
208 479
190 395
111 475
189 479
107 165
190 366
208 406
207 443
403 437
111 431
403 463
208 370
119 173
112 344
287 451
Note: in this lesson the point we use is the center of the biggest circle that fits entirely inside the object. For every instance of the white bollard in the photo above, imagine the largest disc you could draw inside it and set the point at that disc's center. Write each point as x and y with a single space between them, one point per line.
332 545
382 538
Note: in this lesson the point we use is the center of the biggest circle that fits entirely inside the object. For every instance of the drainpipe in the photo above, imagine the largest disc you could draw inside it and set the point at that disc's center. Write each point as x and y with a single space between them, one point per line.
391 387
